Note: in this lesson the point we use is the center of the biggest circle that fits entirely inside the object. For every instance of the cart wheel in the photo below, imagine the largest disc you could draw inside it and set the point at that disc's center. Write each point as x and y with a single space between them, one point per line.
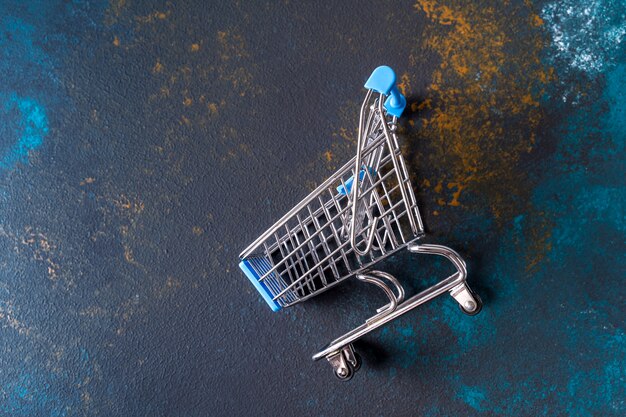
344 374
479 306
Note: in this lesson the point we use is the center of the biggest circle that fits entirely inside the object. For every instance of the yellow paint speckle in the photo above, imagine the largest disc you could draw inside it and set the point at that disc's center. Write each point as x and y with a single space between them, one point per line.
172 282
346 134
7 315
158 67
528 99
128 255
197 230
123 202
187 102
536 20
195 47
212 108
88 180
150 18
116 41
113 13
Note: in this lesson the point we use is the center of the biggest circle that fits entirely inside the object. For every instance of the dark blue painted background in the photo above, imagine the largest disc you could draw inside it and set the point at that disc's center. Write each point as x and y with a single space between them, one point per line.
144 144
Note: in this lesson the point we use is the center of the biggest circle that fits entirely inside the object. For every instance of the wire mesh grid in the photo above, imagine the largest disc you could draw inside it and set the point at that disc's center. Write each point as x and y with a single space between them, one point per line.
309 249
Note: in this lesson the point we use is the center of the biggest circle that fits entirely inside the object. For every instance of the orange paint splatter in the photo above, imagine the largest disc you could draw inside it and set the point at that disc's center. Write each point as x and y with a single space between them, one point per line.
442 14
477 86
235 66
130 258
482 113
116 7
185 121
456 194
125 203
404 84
212 108
153 17
116 41
8 316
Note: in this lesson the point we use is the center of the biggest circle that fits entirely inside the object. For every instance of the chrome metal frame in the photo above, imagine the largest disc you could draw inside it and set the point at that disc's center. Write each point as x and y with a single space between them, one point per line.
363 213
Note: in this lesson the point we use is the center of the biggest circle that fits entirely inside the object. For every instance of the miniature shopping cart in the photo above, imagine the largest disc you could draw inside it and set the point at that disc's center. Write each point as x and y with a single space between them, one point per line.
362 214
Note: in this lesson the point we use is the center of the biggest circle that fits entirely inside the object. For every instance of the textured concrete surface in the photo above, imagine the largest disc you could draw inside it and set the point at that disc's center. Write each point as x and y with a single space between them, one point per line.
144 144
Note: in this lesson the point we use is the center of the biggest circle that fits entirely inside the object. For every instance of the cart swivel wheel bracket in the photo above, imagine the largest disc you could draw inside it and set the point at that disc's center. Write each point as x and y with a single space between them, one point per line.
345 362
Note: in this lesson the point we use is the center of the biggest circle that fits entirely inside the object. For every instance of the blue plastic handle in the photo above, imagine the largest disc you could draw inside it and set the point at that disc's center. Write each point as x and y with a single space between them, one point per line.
254 278
383 81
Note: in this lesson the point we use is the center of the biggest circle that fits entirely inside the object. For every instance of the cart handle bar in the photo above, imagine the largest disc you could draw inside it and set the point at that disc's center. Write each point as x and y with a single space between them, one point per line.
383 81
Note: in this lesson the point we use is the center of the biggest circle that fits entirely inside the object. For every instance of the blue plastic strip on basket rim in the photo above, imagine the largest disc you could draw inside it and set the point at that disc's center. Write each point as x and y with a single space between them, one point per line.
342 190
383 81
260 286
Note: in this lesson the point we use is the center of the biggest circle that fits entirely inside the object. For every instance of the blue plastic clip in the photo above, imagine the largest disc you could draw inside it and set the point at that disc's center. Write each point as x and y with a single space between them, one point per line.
383 80
259 285
342 190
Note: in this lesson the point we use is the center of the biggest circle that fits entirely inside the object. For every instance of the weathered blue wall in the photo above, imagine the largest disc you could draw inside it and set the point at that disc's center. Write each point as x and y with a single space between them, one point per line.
144 144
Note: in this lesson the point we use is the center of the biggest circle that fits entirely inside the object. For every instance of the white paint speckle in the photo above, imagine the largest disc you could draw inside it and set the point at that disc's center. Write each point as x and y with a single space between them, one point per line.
586 35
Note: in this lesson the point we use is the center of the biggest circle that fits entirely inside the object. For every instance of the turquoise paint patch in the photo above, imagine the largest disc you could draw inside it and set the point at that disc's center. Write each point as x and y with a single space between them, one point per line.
30 396
582 191
29 70
472 396
24 130
403 339
406 331
615 95
21 391
24 64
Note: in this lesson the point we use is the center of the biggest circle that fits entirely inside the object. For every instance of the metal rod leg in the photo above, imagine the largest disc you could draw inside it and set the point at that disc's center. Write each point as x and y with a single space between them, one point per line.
469 302
340 350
